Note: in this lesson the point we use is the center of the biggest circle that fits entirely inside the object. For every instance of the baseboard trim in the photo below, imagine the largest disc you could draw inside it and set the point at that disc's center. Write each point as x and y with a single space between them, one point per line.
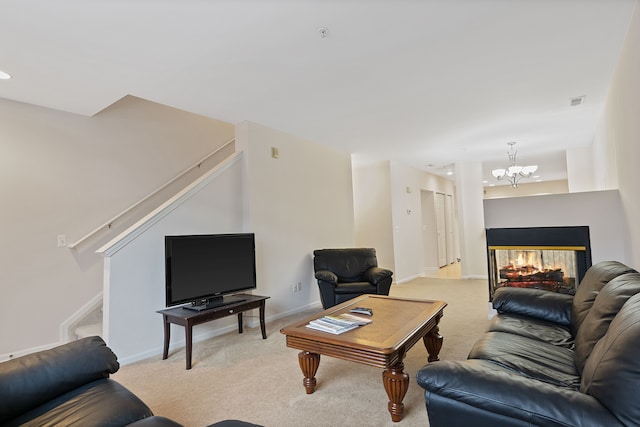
251 322
475 277
408 279
9 356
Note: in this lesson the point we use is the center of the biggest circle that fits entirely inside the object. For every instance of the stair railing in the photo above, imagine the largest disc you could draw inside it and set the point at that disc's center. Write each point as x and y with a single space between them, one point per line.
109 224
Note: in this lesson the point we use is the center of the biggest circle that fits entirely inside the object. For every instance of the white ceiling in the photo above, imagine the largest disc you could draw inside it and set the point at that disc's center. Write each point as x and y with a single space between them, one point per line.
427 82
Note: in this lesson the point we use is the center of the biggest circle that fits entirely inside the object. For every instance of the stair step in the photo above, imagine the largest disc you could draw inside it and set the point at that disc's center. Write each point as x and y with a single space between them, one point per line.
88 330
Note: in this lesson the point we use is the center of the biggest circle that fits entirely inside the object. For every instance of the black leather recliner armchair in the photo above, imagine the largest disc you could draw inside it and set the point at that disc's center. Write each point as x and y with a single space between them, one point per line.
347 273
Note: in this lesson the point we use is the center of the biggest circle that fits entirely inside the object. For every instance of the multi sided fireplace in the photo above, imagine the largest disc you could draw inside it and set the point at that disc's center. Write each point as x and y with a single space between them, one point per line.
549 258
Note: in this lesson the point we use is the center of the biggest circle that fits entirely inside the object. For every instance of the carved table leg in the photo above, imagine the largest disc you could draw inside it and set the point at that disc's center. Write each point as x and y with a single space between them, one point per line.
309 363
396 384
433 343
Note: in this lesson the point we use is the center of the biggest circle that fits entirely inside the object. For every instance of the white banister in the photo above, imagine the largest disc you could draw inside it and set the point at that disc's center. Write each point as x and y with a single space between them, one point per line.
108 224
152 218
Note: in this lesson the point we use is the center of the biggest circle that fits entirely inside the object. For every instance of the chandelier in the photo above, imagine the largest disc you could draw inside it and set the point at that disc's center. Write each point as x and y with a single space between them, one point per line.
514 173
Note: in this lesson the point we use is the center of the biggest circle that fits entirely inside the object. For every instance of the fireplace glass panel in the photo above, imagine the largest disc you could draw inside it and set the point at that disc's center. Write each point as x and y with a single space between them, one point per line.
551 269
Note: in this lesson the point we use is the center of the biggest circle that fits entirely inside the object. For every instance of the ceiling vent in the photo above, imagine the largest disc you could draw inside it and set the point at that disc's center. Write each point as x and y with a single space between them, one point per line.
574 102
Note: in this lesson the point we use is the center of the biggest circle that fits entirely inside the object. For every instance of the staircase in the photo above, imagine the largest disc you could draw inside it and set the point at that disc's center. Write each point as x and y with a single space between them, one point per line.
87 321
88 330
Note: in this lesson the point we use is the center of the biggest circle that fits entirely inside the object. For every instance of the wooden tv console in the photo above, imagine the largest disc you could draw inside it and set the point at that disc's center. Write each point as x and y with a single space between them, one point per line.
189 318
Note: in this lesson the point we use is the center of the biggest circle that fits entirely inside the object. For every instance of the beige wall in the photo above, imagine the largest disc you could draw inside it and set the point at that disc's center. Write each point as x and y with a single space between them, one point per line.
619 131
301 201
62 173
599 210
388 206
528 189
372 210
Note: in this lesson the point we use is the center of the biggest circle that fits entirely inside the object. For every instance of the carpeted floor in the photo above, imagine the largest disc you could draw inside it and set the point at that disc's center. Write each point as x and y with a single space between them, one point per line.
244 377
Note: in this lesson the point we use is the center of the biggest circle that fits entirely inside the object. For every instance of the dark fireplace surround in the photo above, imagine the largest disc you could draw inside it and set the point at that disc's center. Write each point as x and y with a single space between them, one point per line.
550 258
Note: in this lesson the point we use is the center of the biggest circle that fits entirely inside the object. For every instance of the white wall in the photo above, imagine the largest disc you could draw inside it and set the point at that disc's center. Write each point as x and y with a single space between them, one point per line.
301 201
62 173
134 274
528 189
396 227
372 210
580 175
292 204
618 135
406 211
471 222
600 210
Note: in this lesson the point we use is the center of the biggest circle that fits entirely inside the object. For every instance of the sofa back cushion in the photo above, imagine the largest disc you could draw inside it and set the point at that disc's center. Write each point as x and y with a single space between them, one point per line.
607 304
31 380
612 371
594 279
347 263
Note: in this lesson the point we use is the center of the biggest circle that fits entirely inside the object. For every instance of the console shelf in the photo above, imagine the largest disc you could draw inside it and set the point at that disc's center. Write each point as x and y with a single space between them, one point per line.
189 318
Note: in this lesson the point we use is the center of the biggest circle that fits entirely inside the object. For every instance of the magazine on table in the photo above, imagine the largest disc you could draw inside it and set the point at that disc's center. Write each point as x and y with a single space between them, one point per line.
338 324
348 319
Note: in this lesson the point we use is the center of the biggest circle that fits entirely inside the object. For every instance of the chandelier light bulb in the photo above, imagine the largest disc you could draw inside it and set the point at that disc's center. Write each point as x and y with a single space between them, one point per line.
513 173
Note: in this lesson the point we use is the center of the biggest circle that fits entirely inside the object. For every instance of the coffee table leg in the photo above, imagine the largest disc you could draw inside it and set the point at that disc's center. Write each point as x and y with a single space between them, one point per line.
309 363
396 384
433 343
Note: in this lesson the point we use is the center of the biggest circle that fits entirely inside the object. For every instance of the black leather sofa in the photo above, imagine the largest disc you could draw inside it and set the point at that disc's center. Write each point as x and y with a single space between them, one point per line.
69 385
346 273
548 359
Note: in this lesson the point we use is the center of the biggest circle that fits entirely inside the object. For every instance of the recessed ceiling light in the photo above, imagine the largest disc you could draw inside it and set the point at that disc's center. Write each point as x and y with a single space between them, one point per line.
4 76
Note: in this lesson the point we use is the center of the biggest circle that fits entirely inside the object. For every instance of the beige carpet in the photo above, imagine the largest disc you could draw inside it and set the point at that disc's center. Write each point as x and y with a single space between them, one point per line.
244 377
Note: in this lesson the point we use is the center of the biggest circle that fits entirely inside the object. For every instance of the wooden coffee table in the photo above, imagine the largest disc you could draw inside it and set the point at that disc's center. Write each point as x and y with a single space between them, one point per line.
398 323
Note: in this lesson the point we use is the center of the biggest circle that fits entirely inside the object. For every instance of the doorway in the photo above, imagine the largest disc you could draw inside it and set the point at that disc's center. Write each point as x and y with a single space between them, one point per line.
438 230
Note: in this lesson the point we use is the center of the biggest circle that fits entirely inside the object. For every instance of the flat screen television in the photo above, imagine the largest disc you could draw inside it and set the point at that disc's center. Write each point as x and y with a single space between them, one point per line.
204 271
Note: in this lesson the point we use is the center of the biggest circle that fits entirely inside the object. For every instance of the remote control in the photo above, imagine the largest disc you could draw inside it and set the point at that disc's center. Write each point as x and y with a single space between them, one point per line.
362 310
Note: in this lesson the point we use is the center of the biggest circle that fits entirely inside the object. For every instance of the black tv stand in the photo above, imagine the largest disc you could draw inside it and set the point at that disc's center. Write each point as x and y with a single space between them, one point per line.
214 302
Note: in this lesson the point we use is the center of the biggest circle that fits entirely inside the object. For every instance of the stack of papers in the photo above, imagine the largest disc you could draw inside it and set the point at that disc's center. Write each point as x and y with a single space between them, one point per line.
338 324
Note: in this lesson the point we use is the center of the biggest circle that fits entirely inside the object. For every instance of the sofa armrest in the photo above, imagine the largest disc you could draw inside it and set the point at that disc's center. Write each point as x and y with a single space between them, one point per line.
31 380
473 389
327 276
155 421
375 275
538 303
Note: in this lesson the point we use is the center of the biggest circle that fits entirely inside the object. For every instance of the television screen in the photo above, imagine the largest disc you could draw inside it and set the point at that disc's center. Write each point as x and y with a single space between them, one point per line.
201 269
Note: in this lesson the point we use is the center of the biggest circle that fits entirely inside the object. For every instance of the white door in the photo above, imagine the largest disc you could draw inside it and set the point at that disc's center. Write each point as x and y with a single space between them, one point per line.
441 229
449 225
429 236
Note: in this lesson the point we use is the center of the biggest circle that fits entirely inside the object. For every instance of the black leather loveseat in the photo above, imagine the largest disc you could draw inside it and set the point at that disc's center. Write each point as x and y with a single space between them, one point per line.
548 359
69 385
